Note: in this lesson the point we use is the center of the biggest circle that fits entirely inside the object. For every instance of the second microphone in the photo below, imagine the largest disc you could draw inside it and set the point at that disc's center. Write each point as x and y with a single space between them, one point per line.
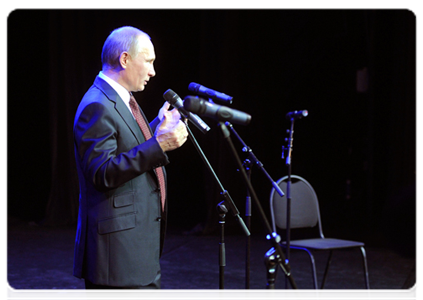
218 112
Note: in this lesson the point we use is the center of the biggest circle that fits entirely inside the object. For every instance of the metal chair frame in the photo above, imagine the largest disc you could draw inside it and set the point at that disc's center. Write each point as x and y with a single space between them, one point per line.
320 243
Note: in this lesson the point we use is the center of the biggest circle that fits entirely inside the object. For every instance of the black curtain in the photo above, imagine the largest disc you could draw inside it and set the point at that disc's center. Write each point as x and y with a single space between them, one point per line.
356 147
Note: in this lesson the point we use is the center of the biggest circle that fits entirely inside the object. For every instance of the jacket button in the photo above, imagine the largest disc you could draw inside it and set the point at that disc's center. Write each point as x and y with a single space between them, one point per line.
159 219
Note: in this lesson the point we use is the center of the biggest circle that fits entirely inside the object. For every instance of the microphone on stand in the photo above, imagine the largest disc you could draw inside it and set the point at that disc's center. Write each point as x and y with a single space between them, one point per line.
173 98
215 111
209 93
296 114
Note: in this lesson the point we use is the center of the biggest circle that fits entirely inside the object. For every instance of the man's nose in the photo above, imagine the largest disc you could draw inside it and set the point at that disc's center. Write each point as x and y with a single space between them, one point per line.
152 72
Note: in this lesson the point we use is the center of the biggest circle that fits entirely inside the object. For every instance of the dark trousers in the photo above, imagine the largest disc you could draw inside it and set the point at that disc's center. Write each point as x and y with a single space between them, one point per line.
102 292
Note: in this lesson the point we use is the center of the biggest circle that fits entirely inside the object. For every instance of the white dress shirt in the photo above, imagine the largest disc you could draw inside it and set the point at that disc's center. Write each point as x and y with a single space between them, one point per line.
122 92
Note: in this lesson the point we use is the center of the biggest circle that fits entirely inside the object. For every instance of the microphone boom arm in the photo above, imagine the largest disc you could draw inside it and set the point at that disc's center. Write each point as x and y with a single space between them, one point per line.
255 160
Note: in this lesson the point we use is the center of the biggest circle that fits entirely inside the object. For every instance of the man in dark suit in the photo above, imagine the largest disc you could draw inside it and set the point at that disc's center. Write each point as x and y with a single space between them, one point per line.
122 209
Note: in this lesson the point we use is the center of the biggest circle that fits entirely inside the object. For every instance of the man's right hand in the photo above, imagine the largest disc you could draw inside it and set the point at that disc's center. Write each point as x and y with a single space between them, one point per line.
171 133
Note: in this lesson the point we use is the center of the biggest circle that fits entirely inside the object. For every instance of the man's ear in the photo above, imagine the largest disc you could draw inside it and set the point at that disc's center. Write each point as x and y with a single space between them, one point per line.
123 59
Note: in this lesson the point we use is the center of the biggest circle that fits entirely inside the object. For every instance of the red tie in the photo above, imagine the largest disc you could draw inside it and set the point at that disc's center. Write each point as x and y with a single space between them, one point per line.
147 135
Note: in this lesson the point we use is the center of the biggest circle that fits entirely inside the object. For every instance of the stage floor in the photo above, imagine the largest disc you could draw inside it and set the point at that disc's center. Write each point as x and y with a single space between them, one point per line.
39 266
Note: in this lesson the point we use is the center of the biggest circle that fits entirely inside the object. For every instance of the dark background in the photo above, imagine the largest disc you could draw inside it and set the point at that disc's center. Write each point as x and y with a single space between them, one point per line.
356 147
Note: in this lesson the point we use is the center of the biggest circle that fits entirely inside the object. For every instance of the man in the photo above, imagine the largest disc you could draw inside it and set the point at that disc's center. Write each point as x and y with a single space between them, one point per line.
122 209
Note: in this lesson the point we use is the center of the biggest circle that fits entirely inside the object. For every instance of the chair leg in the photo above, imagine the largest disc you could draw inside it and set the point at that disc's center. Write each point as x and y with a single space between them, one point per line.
326 269
366 271
313 266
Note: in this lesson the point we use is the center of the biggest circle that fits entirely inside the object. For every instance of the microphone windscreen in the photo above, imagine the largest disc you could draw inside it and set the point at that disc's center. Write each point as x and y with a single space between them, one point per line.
192 104
193 87
170 96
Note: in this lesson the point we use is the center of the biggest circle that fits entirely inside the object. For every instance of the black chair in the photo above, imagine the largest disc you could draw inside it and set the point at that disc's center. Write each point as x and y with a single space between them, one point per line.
305 213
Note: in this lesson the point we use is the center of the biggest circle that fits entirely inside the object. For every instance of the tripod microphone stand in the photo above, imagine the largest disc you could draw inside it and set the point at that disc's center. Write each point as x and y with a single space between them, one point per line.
223 207
288 191
247 166
290 116
275 239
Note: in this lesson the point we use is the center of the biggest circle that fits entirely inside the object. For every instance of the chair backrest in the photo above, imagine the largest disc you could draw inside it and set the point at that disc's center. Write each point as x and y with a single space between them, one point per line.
304 205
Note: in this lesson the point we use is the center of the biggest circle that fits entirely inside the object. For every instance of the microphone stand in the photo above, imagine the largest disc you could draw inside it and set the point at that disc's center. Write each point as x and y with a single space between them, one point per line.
247 164
279 258
288 190
222 210
223 207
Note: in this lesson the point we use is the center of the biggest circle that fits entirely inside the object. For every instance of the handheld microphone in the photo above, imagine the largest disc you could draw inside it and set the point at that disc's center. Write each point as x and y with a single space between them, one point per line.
217 112
296 114
171 97
209 93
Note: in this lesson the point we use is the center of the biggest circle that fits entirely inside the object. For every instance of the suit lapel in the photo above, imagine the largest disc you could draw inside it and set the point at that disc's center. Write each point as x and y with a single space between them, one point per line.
124 112
121 108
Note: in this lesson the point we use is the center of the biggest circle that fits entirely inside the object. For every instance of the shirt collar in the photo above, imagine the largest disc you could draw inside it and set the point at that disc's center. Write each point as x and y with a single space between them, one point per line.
122 92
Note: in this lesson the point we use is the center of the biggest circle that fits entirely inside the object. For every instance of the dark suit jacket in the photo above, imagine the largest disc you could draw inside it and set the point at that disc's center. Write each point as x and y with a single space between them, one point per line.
119 236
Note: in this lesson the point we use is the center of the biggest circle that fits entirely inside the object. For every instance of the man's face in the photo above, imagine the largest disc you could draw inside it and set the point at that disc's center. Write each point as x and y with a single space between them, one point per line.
140 68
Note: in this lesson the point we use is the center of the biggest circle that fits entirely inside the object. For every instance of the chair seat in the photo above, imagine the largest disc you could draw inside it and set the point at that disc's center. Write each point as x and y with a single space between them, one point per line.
324 244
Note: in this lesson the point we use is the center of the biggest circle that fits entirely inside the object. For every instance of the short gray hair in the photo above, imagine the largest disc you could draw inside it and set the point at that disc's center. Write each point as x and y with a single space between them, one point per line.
120 40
